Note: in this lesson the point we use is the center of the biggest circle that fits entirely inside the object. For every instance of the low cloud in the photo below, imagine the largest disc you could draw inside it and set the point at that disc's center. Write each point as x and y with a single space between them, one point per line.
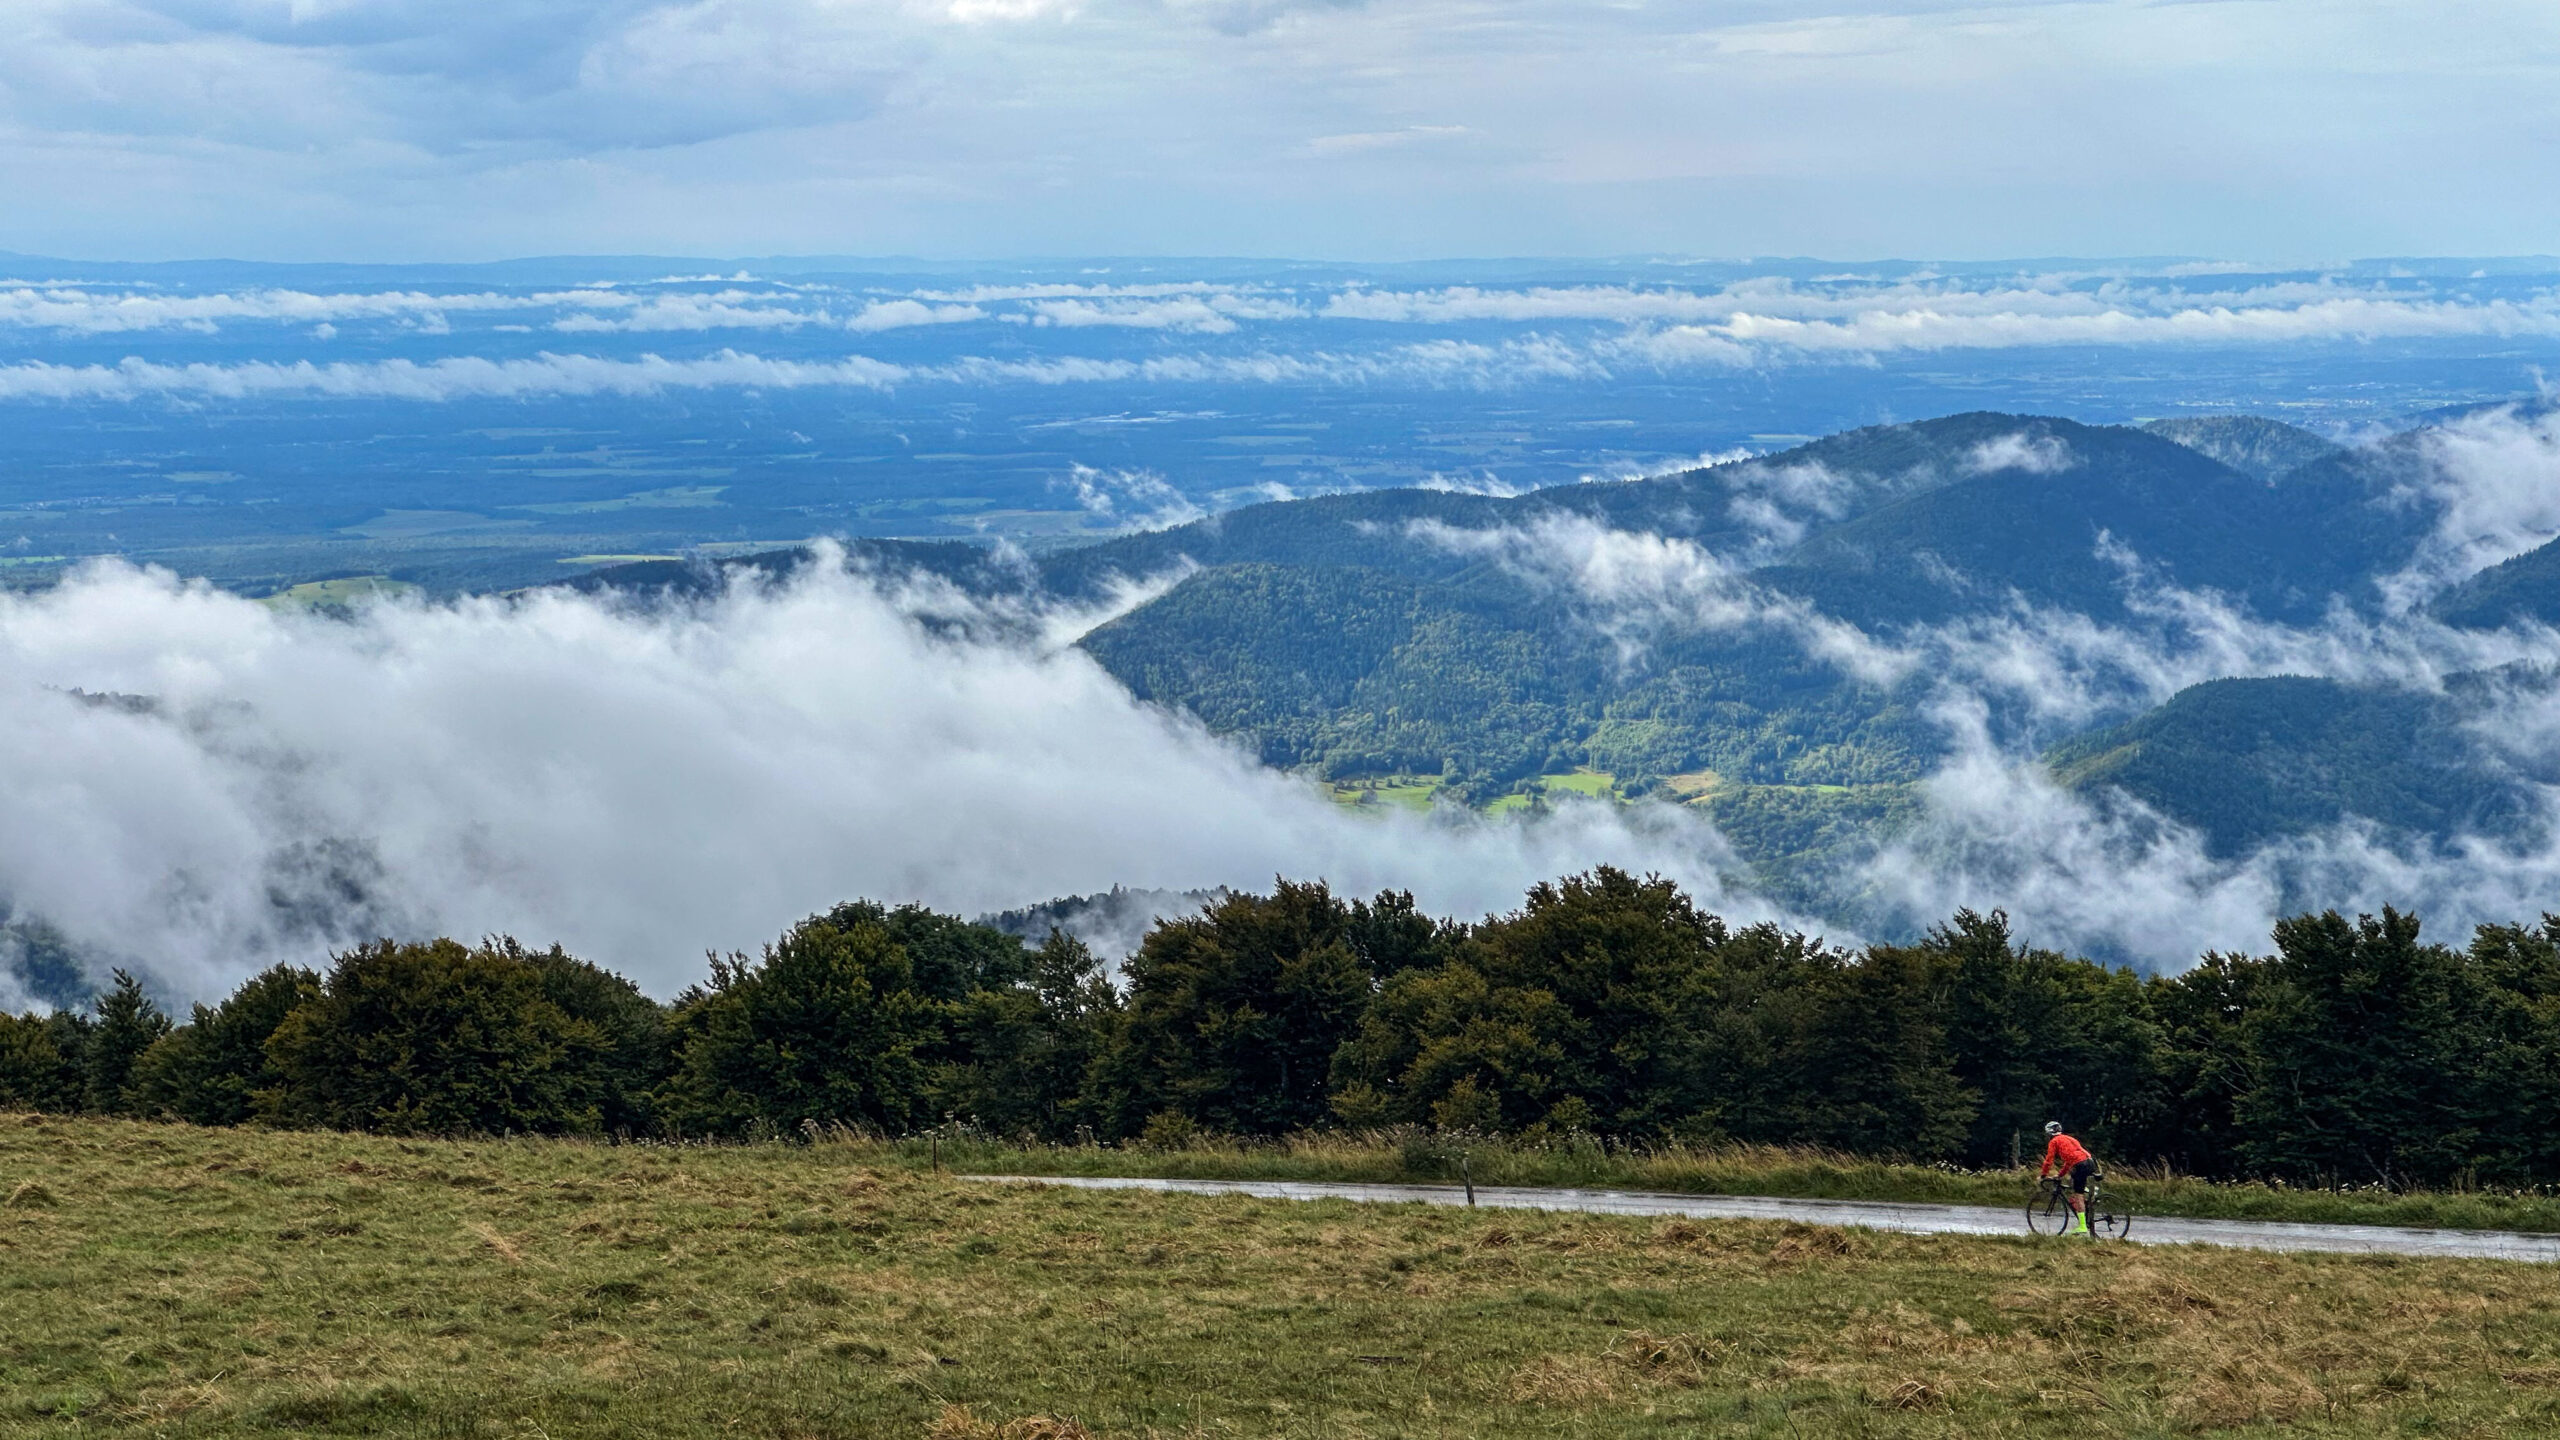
1208 315
2050 672
2103 876
1750 322
2117 880
96 311
1882 331
1998 834
735 310
1483 482
1132 499
903 314
645 785
1633 586
1772 316
2492 479
1363 141
1439 364
2034 454
453 378
1782 502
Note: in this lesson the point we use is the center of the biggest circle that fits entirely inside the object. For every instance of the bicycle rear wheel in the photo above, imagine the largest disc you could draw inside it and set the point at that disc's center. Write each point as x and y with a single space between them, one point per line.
2110 1222
2049 1213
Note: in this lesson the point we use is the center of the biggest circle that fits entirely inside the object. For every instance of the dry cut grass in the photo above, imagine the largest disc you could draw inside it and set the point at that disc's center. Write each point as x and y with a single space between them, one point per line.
169 1281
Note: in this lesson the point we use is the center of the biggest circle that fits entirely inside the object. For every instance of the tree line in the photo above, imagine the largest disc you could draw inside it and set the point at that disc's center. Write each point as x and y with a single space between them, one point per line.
1607 1004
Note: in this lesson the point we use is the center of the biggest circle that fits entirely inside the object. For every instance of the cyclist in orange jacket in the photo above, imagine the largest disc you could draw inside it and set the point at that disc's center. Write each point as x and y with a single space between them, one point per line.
2066 1156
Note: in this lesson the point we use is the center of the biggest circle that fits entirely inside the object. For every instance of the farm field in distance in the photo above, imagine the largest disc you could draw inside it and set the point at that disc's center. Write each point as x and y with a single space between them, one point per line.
1419 792
171 1280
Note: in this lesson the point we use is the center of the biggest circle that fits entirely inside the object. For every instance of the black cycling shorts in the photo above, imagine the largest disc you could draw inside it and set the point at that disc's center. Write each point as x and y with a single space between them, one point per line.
2080 1176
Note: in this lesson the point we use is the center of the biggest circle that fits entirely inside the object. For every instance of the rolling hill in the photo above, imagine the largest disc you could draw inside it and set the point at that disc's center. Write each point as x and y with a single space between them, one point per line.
2248 761
1777 641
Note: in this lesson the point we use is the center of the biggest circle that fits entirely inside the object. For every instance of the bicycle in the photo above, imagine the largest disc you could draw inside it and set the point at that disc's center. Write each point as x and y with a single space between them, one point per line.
2049 1210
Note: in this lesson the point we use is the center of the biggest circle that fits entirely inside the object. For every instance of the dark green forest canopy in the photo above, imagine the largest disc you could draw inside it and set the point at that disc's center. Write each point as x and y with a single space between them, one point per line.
2246 761
1607 1004
2525 588
2251 444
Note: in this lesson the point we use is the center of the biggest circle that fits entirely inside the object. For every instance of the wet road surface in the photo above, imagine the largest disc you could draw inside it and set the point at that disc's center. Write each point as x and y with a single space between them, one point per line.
1869 1214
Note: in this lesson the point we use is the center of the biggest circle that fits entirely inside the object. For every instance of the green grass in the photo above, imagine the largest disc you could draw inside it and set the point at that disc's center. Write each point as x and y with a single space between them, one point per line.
1419 792
247 1283
165 1280
1403 791
1393 1158
1598 784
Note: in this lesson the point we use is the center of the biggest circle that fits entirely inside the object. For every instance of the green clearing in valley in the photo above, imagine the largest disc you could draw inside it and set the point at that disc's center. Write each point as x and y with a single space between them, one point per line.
1404 791
1418 792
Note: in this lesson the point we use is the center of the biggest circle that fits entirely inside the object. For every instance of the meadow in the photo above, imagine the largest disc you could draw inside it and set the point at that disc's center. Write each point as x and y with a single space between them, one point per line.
161 1279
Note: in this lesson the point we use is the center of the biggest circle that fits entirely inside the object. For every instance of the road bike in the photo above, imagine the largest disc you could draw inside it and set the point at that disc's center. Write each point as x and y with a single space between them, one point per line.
2049 1212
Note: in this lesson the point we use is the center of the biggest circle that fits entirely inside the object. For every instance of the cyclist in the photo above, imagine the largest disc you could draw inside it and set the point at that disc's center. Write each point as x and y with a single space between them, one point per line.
2068 1157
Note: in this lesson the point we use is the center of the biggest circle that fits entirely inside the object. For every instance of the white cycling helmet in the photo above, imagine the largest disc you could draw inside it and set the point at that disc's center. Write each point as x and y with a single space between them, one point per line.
2053 1127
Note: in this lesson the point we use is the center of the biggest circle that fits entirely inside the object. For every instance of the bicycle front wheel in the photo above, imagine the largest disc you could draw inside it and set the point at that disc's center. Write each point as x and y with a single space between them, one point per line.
2113 1222
2049 1213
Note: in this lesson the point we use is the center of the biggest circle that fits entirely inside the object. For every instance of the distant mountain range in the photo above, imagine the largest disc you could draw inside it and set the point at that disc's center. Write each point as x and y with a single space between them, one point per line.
1795 643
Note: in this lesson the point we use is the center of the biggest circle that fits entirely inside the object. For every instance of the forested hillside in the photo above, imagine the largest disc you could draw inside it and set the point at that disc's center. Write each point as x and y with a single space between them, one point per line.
1606 1005
2246 761
2251 444
2523 589
1387 647
1504 640
1795 643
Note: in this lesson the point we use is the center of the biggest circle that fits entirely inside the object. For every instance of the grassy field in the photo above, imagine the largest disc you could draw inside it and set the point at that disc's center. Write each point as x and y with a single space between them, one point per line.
1597 784
1414 792
1737 1170
1405 792
166 1280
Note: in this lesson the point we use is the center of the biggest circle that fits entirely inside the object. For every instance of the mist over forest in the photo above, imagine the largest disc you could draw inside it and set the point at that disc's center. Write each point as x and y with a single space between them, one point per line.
528 600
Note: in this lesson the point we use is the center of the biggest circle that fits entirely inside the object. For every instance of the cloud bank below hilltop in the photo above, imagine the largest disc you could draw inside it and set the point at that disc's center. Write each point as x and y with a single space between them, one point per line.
740 333
646 784
200 785
643 786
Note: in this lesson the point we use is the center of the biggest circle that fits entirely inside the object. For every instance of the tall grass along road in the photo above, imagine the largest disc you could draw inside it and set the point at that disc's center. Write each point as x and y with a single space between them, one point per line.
1414 1156
1909 1219
165 1280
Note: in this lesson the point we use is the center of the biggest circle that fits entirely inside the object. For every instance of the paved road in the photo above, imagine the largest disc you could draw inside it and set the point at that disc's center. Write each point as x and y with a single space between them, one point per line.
1869 1214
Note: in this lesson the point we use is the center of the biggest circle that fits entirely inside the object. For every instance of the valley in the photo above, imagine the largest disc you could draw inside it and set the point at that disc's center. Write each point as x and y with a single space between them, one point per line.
2225 628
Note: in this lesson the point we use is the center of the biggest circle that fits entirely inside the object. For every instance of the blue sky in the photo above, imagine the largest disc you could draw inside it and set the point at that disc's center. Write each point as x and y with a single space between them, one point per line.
2279 130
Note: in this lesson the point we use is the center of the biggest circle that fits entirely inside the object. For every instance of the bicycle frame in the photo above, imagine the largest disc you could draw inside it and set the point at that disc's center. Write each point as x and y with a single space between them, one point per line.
2049 1209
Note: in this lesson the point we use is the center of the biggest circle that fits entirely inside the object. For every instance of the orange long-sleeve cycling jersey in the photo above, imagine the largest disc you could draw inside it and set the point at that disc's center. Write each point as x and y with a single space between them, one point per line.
2061 1153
